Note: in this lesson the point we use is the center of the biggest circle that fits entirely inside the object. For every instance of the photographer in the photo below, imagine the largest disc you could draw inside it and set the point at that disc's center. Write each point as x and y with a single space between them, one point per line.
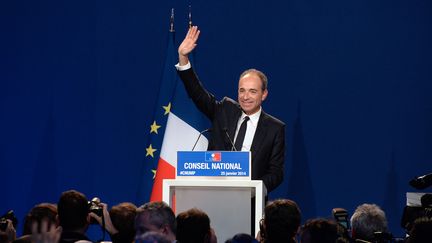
8 233
73 216
366 220
119 221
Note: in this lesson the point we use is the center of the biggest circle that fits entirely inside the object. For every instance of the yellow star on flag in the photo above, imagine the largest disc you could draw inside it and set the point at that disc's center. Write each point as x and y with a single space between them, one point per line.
150 150
154 173
154 127
167 108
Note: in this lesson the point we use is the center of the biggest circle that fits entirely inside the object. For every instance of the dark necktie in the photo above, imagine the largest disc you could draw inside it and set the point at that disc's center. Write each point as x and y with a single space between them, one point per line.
241 134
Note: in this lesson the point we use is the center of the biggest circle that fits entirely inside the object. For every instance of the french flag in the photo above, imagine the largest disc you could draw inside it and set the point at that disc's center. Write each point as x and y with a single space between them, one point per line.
213 156
183 125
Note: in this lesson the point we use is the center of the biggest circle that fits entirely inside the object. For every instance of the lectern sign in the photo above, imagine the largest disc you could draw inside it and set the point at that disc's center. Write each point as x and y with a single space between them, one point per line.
213 164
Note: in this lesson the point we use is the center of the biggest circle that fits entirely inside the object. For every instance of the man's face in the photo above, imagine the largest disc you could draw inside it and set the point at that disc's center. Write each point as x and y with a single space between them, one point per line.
250 93
143 225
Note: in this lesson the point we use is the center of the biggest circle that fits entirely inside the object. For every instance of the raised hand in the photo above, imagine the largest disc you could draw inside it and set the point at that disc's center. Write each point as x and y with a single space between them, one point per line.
47 234
188 44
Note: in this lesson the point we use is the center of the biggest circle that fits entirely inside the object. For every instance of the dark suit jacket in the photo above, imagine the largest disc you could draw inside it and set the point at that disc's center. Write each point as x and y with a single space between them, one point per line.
268 145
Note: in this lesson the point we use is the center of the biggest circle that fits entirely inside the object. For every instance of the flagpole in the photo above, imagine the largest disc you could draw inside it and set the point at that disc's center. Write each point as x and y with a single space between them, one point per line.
190 16
192 56
172 21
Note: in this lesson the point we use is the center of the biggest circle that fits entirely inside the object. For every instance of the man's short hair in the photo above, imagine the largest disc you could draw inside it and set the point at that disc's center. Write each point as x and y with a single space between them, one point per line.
282 219
242 238
152 237
261 75
319 230
72 210
159 214
421 230
123 219
366 220
193 226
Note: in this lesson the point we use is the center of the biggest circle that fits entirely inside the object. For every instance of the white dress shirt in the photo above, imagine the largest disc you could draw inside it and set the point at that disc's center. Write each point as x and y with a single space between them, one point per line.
250 129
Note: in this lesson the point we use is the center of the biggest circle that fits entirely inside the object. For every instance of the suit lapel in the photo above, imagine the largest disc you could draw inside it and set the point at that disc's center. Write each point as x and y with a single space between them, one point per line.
259 134
232 124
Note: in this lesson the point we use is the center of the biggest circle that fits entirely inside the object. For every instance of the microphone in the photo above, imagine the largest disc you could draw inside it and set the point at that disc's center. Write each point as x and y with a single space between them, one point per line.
422 182
426 200
233 148
199 136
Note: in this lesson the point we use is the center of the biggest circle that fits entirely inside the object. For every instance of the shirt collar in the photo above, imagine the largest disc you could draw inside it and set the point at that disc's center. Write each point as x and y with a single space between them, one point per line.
253 118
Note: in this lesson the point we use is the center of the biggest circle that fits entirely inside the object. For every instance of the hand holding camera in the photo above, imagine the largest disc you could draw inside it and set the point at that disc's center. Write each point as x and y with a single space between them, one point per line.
8 222
99 213
7 218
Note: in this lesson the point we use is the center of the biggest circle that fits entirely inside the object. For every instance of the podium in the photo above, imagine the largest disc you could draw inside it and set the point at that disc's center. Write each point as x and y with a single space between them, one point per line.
226 199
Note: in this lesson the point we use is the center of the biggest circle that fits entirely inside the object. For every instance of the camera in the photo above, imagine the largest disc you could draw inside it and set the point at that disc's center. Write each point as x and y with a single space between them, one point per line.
386 237
422 182
3 220
96 208
341 217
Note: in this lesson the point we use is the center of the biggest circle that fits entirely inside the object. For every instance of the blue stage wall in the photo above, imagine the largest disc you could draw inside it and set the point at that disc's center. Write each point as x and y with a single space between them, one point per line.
351 79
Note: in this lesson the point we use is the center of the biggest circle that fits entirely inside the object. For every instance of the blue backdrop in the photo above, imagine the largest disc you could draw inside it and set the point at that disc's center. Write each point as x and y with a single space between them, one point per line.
351 79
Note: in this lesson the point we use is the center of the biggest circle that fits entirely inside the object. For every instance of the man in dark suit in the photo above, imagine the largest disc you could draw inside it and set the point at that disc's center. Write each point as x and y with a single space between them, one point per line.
241 125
